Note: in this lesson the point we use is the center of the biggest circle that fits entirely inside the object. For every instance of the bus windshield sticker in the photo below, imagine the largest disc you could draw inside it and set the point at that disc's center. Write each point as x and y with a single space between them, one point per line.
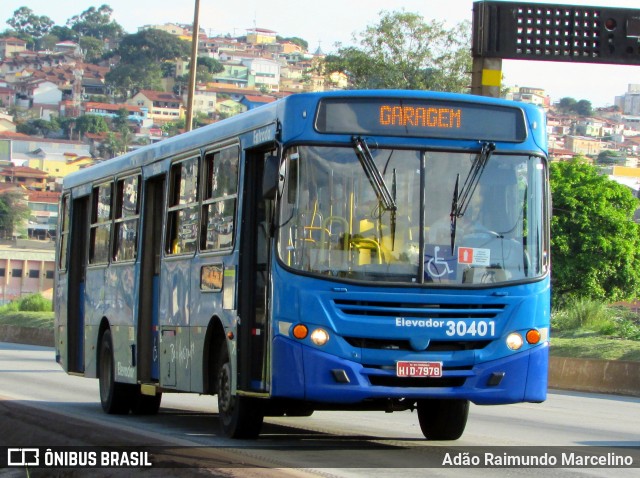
474 256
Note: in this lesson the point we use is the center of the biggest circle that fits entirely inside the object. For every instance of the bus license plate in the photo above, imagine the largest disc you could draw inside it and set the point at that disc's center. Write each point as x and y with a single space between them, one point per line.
418 369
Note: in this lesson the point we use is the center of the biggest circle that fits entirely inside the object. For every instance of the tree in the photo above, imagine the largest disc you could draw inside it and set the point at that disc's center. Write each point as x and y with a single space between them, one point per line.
111 146
211 65
595 245
127 78
121 120
38 127
304 44
609 157
28 25
581 108
567 104
93 48
142 56
13 212
584 108
152 46
403 51
205 69
96 23
91 124
63 33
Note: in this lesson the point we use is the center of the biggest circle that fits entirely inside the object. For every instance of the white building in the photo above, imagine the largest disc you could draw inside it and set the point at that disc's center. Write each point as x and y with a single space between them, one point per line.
629 103
263 72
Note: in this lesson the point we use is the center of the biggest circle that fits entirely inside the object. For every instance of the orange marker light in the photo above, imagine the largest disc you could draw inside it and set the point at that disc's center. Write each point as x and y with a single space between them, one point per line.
533 336
300 331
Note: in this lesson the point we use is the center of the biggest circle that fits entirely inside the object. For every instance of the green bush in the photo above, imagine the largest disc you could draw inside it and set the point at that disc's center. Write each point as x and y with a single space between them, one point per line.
581 313
34 303
13 306
629 329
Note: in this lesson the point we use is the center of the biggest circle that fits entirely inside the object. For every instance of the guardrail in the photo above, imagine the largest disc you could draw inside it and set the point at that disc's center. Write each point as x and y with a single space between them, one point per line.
582 375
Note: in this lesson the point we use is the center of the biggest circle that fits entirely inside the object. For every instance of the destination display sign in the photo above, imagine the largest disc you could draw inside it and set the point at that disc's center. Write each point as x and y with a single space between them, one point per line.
421 118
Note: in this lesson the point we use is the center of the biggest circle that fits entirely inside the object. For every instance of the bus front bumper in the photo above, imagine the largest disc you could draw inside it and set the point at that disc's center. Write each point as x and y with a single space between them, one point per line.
304 373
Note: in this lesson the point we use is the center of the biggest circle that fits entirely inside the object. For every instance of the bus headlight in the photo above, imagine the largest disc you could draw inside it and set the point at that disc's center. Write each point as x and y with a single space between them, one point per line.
319 337
514 341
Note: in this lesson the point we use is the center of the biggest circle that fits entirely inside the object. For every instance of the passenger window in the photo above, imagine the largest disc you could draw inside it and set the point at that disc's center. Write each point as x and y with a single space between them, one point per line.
220 198
126 218
101 215
182 220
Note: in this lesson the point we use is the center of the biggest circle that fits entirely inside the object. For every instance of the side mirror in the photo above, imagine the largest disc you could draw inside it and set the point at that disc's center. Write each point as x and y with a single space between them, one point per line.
271 177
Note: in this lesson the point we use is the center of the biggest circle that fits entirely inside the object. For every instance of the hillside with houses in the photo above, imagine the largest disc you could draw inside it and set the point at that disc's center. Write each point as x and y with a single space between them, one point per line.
58 113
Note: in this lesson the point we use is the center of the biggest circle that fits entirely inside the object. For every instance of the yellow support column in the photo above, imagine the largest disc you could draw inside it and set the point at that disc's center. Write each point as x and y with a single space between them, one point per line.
486 77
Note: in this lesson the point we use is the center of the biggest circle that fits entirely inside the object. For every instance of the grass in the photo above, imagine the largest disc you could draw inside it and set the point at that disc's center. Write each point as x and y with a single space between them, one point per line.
30 311
27 319
584 345
586 328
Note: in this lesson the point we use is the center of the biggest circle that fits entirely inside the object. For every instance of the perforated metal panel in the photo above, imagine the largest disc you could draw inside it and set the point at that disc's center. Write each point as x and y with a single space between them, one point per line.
535 31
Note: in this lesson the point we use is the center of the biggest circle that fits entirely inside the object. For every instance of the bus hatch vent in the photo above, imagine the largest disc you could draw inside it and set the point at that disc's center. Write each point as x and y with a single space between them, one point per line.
420 310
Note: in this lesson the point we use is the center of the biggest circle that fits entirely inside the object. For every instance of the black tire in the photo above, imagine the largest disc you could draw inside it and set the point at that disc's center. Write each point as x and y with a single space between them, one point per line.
145 404
115 397
443 419
299 411
240 417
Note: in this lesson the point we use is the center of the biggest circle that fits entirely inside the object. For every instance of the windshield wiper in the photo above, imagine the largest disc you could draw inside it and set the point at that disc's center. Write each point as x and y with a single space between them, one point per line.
454 212
373 174
461 199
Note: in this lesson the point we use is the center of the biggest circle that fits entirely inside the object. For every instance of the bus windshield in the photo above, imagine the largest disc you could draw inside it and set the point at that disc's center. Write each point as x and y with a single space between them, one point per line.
334 221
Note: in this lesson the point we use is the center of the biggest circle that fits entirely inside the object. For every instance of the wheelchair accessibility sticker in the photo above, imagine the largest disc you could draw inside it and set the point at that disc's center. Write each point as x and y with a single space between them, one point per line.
439 262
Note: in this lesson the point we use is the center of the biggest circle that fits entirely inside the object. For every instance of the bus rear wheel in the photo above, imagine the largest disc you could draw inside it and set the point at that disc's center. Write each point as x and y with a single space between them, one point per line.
442 419
115 397
240 417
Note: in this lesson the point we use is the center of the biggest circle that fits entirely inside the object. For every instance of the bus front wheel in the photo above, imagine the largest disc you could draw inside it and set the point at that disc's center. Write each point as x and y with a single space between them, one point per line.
442 419
142 404
240 417
115 397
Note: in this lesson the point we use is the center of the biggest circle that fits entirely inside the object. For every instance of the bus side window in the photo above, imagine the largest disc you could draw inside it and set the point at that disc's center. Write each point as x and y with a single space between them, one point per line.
126 218
64 232
182 221
220 197
101 215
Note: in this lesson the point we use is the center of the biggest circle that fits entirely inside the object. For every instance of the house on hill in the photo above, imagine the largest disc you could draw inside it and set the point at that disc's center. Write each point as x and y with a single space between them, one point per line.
11 45
7 97
43 218
253 101
136 114
25 177
162 107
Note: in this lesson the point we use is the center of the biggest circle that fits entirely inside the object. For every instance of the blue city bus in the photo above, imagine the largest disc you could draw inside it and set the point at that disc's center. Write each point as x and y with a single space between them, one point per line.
349 250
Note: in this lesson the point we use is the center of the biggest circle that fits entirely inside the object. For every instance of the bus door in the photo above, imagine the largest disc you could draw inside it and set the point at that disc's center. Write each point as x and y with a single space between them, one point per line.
77 272
149 287
253 284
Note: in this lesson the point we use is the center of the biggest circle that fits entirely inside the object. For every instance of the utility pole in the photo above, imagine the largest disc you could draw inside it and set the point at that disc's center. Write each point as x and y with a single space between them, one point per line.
194 66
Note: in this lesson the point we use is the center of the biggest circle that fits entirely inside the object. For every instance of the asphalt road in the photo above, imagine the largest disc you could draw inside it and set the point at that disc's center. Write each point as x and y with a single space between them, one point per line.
42 406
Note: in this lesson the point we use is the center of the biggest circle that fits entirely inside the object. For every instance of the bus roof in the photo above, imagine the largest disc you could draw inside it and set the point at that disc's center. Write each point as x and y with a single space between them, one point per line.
250 120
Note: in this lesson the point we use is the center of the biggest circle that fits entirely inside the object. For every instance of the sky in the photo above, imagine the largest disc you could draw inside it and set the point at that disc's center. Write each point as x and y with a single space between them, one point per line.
326 22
